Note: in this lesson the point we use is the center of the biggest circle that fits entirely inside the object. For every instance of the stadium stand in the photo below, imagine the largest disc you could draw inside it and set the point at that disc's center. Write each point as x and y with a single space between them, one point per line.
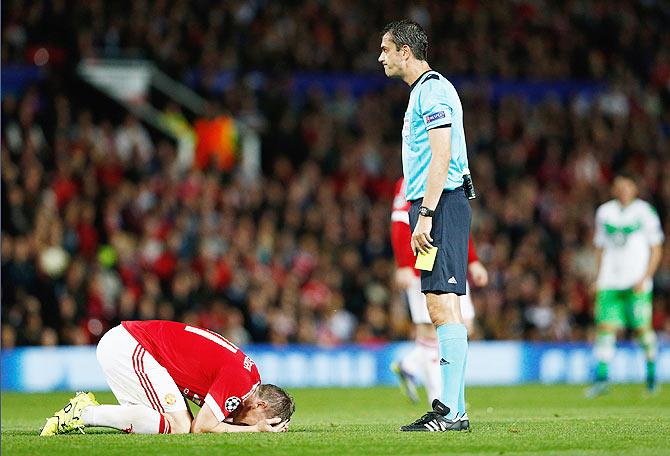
101 224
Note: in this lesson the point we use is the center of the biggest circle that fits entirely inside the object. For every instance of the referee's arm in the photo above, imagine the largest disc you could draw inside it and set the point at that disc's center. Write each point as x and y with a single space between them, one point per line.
438 169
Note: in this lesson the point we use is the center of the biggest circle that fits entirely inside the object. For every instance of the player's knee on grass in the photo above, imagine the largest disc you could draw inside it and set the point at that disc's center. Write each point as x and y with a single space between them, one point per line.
178 424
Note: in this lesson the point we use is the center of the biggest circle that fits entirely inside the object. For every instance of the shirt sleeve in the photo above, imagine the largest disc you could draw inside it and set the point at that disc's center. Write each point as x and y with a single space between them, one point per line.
599 234
434 104
226 394
652 227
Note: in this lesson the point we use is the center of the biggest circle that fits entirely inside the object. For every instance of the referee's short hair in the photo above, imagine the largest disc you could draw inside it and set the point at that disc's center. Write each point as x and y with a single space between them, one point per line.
406 32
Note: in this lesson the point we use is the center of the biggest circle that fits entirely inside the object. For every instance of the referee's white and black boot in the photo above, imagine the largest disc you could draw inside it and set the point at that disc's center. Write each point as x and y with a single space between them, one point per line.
465 422
436 421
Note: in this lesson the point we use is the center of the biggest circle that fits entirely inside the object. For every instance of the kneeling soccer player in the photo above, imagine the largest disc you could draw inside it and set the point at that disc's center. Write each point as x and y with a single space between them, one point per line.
151 366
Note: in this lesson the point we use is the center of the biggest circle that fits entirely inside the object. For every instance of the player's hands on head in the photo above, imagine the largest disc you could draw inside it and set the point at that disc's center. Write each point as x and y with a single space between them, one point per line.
272 425
421 239
479 274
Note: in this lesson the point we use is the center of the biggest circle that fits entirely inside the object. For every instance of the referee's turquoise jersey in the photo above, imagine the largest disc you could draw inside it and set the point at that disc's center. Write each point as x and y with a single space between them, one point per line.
433 103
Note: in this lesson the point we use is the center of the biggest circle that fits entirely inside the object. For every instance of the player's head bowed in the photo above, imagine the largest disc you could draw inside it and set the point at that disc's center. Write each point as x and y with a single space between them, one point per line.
279 402
267 402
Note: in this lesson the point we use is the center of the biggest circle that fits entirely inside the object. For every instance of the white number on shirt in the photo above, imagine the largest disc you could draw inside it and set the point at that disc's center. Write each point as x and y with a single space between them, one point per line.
214 337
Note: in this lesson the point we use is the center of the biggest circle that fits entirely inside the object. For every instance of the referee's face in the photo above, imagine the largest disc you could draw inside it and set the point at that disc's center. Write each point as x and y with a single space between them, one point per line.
391 57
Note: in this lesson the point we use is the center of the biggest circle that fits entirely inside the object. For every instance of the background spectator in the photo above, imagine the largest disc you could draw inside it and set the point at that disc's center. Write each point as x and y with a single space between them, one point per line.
101 222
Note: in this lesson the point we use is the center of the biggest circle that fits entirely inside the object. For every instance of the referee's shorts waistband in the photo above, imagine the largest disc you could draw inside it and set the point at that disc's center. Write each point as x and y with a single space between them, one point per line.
444 192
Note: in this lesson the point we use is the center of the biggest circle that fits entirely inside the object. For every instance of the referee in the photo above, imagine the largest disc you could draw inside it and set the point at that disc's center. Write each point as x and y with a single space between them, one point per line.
434 159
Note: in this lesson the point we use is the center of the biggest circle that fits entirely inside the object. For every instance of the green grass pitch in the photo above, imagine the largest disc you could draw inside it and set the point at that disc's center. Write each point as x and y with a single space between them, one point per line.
534 419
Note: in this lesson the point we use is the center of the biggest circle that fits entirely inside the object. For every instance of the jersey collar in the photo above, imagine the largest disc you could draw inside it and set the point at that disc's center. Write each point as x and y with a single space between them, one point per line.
623 208
414 84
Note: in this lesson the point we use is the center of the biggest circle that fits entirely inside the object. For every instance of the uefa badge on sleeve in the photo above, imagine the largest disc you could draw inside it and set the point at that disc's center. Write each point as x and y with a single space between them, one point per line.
232 403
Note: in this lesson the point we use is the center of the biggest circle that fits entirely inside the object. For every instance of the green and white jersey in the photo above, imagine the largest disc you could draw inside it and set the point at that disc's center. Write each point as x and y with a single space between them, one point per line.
626 235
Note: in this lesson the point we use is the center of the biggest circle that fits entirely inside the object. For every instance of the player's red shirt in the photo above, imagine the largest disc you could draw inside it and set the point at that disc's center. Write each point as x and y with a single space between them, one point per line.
400 230
206 367
401 234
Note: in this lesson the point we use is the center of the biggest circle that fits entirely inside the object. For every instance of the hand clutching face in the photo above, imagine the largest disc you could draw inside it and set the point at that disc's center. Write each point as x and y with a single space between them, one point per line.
272 425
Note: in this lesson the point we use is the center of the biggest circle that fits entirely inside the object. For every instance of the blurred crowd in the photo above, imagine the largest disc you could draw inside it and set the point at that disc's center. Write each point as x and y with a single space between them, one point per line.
507 39
100 224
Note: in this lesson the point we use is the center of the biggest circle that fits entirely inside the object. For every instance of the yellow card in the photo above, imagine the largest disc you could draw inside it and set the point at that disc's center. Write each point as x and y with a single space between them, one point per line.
425 261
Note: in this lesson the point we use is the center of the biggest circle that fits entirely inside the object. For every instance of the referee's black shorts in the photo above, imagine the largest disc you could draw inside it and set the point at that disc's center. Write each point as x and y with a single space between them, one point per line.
451 229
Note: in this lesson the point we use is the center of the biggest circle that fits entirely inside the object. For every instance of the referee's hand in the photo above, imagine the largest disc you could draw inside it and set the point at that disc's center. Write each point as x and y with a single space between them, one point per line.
421 240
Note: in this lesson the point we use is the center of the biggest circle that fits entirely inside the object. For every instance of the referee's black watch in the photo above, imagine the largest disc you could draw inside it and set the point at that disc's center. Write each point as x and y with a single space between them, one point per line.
425 212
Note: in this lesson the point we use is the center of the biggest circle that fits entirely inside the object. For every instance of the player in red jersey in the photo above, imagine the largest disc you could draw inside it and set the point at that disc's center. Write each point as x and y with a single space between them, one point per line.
422 360
152 366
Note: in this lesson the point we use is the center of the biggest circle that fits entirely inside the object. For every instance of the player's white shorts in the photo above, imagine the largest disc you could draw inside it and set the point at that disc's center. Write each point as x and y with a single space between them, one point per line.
467 309
419 311
135 376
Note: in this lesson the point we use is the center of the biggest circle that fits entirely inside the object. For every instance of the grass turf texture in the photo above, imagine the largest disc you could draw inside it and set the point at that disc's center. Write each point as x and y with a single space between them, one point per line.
535 419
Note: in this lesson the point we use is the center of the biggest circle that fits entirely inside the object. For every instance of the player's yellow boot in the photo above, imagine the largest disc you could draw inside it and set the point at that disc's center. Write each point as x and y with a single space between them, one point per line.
68 418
